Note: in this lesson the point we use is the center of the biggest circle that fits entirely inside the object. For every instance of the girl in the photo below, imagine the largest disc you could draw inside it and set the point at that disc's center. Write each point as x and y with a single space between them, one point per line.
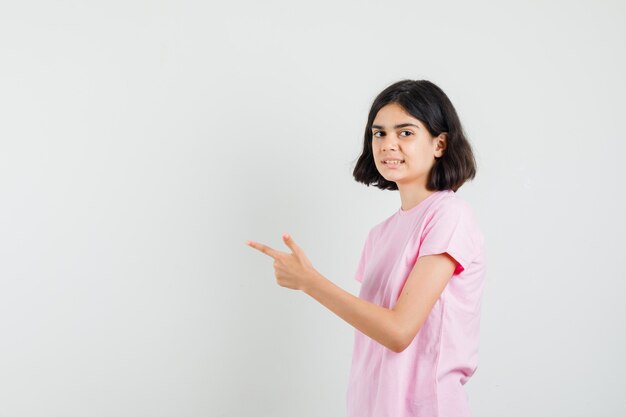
422 269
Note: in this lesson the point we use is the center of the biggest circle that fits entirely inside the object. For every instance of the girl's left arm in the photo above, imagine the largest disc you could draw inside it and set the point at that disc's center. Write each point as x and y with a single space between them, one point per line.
379 323
394 328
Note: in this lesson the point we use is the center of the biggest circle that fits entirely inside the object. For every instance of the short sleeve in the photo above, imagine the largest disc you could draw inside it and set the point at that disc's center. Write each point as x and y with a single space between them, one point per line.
450 230
360 270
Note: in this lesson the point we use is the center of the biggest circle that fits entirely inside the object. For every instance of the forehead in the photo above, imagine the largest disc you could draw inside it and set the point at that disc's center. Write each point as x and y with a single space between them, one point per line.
393 114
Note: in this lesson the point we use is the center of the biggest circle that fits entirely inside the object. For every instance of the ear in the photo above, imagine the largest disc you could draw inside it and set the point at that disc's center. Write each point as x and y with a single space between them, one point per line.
441 143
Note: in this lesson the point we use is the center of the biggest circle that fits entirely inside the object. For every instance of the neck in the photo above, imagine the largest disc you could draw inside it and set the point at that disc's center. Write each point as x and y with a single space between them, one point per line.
412 195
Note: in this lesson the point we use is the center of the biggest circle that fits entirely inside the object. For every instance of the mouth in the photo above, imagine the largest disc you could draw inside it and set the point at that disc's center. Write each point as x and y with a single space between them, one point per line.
393 162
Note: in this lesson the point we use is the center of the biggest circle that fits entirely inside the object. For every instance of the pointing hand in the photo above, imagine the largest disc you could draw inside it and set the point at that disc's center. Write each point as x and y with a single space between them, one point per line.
293 270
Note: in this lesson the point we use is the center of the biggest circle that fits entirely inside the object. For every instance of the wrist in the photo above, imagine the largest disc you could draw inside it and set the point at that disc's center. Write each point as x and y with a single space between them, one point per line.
311 281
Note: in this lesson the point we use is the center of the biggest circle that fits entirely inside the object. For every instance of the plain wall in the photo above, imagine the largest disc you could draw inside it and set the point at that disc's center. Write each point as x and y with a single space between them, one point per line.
142 142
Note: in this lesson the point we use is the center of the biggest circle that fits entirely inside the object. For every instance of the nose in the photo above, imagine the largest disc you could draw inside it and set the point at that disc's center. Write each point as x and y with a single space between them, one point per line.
389 143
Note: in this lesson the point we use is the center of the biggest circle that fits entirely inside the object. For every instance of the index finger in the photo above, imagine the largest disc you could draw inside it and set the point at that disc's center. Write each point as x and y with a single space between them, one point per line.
263 248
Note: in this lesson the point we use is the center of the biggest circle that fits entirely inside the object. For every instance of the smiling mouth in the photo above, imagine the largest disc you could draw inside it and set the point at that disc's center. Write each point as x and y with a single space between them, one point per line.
394 162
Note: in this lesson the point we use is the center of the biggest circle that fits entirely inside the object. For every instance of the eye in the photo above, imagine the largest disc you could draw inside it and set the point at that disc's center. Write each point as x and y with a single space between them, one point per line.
408 133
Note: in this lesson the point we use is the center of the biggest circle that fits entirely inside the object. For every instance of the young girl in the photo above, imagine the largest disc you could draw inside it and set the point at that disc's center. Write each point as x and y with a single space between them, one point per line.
422 269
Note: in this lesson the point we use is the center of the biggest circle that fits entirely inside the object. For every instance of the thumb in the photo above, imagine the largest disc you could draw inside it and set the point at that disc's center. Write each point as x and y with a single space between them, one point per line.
289 242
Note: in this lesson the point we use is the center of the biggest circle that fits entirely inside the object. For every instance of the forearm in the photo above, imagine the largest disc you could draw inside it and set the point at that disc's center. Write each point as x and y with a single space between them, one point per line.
370 319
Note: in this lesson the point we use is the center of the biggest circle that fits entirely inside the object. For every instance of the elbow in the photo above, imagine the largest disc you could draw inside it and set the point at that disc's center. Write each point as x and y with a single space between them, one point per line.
399 346
403 333
399 343
403 340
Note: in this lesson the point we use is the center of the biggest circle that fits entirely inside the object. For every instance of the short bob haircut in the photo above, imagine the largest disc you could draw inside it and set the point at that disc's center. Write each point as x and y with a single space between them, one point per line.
428 103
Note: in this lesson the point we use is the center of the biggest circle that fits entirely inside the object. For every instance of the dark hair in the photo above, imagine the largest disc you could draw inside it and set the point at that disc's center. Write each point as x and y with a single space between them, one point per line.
428 103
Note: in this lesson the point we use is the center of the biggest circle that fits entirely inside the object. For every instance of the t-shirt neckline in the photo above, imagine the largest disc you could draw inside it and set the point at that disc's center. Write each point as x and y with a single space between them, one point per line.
421 203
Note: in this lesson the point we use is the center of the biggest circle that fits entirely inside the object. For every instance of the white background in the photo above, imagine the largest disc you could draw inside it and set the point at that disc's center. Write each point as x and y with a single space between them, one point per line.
142 142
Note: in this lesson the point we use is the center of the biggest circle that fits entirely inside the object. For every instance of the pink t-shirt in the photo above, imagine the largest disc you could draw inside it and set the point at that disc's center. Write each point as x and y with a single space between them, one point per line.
427 378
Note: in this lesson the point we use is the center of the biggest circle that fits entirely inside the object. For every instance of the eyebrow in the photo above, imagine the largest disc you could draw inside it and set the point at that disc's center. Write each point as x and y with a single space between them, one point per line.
396 126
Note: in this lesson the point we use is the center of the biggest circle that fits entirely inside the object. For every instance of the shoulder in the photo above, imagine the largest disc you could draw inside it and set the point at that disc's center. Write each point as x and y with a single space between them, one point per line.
454 209
451 205
380 229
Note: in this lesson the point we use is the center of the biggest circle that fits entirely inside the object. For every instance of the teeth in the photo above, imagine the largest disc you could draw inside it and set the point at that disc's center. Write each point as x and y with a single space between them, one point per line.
394 162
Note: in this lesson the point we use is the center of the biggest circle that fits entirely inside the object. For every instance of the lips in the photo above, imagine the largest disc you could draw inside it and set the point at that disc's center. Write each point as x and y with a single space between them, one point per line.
394 162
